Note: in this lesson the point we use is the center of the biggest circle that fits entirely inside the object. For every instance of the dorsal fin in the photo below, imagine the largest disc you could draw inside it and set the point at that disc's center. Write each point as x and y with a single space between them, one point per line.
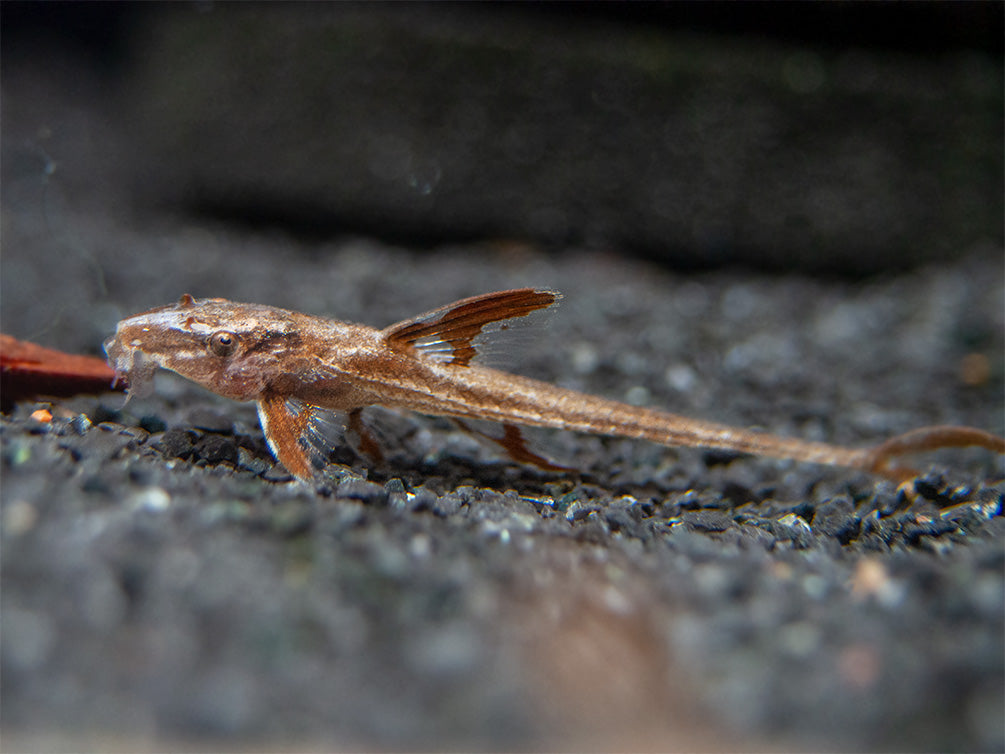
449 334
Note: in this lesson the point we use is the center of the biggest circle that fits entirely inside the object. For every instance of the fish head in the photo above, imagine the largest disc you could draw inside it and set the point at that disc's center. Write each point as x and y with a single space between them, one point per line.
232 349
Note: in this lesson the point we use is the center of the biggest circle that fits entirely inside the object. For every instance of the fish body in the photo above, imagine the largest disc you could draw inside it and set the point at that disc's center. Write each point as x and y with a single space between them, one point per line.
297 366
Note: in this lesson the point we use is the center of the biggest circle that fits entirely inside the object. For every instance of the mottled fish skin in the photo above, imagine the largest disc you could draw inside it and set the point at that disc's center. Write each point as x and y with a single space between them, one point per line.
296 366
190 338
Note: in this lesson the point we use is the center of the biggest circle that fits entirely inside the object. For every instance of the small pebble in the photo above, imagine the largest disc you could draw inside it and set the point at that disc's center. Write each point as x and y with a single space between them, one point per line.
215 449
252 462
707 520
794 528
836 518
80 424
177 443
42 416
152 423
151 499
105 414
360 489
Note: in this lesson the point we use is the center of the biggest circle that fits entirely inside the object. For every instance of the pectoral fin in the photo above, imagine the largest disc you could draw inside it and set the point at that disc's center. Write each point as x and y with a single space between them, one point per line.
299 434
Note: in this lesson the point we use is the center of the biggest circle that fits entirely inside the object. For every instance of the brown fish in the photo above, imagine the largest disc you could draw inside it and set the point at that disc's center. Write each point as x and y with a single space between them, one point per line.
298 367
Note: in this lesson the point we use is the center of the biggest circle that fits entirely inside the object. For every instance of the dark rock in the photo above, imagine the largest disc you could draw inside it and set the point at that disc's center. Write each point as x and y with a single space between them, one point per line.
755 537
394 487
642 510
717 457
580 511
424 499
214 449
693 500
886 502
362 490
836 518
448 505
277 473
103 413
39 427
794 528
593 529
80 423
739 494
618 518
923 527
933 487
152 423
176 443
707 520
256 464
97 484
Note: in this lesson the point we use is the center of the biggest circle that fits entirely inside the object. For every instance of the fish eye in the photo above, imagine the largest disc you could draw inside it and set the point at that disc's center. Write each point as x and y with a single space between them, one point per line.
223 343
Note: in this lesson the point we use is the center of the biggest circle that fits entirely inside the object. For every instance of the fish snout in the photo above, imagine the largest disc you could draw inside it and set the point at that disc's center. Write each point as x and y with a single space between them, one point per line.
130 365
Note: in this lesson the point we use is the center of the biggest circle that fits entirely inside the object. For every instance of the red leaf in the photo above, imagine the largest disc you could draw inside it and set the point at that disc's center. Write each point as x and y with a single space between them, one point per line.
29 371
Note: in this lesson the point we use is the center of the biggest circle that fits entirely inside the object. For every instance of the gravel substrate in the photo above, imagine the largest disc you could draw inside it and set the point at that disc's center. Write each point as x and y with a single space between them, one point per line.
165 580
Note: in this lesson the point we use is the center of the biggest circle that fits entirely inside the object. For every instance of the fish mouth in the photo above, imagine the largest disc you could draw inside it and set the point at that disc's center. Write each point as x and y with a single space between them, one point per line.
132 367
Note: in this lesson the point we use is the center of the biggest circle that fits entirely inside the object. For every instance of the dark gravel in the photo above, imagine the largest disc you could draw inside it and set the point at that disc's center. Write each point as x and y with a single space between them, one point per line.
167 585
164 578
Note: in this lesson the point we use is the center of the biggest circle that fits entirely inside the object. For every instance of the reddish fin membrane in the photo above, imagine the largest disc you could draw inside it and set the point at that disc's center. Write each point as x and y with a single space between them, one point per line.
516 447
323 430
512 441
460 332
302 436
283 428
366 441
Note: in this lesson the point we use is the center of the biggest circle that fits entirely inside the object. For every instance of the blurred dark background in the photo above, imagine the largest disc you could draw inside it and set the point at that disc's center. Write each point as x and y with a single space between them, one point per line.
836 137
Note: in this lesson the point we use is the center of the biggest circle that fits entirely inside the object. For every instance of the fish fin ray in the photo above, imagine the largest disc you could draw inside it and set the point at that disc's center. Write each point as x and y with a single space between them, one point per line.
463 331
367 444
300 435
512 441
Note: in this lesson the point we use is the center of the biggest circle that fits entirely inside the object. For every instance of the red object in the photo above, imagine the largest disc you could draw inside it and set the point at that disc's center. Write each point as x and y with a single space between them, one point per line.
30 371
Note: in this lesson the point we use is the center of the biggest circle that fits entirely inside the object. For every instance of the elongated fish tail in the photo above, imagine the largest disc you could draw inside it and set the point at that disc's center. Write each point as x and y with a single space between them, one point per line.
924 439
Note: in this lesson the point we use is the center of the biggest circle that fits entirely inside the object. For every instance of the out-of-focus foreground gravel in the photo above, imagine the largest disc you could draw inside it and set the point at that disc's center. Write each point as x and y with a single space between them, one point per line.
166 584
